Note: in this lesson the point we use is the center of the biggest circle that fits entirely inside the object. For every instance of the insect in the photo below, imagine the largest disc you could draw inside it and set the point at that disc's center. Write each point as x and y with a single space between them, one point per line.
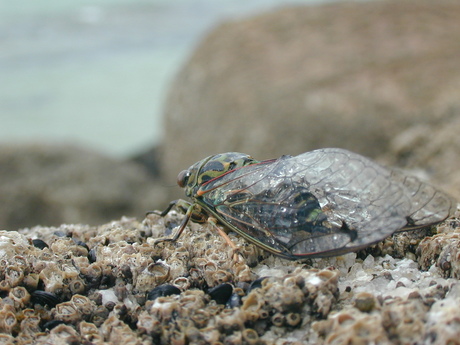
321 203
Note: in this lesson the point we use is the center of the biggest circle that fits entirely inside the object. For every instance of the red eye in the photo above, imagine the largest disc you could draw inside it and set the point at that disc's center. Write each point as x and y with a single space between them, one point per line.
182 178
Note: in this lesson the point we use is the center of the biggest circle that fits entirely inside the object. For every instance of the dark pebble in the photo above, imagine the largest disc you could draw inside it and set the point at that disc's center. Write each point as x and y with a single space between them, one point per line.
256 284
51 324
92 255
40 244
45 298
221 293
80 243
162 291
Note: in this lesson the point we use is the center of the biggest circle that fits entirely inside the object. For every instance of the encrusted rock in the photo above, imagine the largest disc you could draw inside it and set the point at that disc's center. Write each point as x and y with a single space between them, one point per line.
352 327
199 290
443 322
442 251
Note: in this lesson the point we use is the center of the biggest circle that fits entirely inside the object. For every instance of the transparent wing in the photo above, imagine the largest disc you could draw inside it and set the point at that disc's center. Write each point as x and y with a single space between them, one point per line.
320 203
428 204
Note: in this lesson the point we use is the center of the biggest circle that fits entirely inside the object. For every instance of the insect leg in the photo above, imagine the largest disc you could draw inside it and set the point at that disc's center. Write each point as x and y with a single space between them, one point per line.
227 239
182 225
181 204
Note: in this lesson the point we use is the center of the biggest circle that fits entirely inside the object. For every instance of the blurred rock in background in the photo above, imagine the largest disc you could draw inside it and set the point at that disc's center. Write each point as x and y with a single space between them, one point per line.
435 149
54 184
351 75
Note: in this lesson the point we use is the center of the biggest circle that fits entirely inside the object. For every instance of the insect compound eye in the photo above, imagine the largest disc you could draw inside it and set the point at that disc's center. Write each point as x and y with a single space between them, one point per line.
182 178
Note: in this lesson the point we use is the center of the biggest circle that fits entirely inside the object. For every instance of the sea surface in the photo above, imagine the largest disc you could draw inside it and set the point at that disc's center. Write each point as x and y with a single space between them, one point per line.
96 73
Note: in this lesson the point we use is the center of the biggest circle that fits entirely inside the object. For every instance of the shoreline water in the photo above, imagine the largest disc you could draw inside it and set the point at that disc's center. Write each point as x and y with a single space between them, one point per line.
97 74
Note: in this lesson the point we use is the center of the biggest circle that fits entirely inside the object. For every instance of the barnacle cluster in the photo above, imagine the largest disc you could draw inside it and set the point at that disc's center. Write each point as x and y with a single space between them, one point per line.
443 249
420 318
114 284
194 317
399 245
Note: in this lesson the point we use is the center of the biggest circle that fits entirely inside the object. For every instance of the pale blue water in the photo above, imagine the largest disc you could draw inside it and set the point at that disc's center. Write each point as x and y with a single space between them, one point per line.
97 72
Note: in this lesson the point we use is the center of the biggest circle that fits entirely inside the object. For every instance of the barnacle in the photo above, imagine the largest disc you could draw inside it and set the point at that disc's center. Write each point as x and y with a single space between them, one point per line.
200 318
443 251
30 326
154 274
6 339
89 332
177 267
230 320
8 321
83 304
253 306
92 274
67 312
66 246
76 286
278 319
14 276
164 308
20 296
250 336
364 301
4 286
63 333
182 283
52 277
192 299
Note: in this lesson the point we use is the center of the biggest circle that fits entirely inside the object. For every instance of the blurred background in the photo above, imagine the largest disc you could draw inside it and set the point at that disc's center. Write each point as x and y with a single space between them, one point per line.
103 102
96 72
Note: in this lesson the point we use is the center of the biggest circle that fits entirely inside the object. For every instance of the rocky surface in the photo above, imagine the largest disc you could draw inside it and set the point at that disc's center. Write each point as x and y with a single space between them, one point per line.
351 75
113 284
53 184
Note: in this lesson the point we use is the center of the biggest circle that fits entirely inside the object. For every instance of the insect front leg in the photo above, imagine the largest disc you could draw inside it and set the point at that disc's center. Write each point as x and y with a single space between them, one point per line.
180 204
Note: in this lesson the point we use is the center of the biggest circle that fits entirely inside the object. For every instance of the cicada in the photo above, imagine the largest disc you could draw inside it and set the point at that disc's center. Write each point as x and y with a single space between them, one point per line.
321 203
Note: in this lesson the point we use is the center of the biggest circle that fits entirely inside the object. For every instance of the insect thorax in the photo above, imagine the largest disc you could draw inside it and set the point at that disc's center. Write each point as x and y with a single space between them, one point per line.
214 166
